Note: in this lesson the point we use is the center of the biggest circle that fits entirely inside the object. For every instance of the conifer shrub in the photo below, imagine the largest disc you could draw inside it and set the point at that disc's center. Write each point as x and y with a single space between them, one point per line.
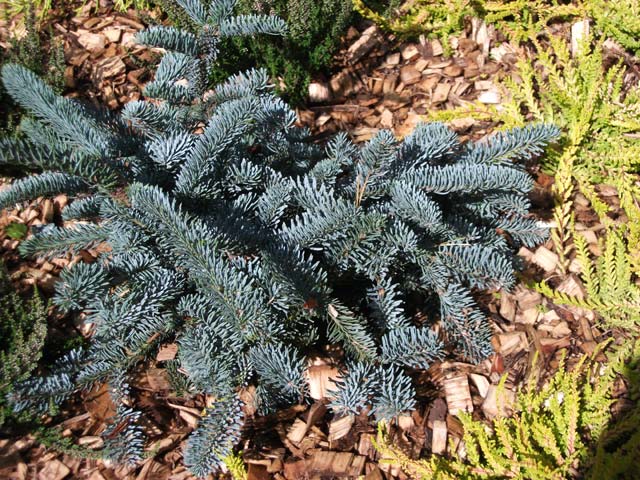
307 48
30 51
23 328
315 29
251 247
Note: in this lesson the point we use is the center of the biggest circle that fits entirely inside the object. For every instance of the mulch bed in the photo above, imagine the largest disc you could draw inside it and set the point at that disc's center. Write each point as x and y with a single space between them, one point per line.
380 82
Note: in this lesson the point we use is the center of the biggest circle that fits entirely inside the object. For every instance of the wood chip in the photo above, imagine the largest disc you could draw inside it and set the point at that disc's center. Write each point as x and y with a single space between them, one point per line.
481 383
321 378
429 83
374 474
494 406
528 317
368 40
436 48
452 71
340 427
92 42
527 298
483 85
54 470
589 236
393 59
190 415
362 134
386 119
545 259
96 476
47 211
573 287
113 34
579 32
439 438
167 352
438 64
405 422
409 52
512 342
393 101
561 330
158 379
421 64
457 394
389 84
490 97
365 445
507 307
319 92
297 431
129 39
342 84
409 75
480 33
336 464
257 472
441 93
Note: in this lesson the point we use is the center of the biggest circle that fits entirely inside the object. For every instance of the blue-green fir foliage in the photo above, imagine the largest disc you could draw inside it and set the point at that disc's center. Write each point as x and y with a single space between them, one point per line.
250 246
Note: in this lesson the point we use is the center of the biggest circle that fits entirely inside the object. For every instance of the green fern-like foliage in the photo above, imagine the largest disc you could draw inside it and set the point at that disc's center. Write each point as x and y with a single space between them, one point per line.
12 8
599 121
236 467
617 449
250 246
437 19
23 327
549 436
609 281
519 20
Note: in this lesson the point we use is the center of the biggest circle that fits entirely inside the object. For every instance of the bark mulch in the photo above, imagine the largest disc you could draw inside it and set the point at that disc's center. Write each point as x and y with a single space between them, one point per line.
380 82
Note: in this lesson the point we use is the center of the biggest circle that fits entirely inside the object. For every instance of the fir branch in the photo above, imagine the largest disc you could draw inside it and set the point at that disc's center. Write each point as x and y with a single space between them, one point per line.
169 38
347 328
66 117
244 84
281 368
213 441
396 395
55 241
195 9
411 347
251 25
354 389
81 285
42 185
515 144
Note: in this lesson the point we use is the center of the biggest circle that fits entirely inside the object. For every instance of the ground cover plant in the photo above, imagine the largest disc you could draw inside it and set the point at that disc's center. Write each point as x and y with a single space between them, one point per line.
42 8
307 48
560 430
30 51
315 30
599 121
588 96
519 20
251 247
23 328
598 146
